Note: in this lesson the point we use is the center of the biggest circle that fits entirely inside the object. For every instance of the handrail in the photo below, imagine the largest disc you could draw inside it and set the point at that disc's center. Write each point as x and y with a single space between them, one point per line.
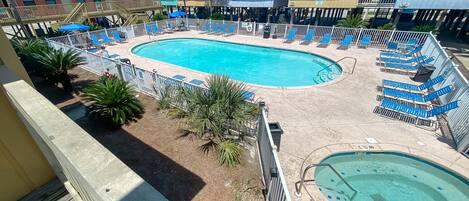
353 68
298 189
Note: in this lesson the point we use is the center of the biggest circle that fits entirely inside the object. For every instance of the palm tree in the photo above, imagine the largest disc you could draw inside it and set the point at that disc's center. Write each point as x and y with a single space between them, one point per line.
353 21
214 112
112 101
26 49
57 63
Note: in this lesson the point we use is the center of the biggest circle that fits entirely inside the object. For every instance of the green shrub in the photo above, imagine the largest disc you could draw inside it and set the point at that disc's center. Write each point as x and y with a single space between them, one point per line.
388 26
217 16
93 26
158 17
26 49
424 28
211 112
112 101
56 64
353 21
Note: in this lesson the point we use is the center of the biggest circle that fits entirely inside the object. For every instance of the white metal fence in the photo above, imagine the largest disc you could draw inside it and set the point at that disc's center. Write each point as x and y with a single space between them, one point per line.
272 173
458 119
379 38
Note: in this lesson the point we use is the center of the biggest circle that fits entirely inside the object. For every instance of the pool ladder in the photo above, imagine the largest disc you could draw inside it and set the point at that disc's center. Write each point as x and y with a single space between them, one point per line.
303 175
326 76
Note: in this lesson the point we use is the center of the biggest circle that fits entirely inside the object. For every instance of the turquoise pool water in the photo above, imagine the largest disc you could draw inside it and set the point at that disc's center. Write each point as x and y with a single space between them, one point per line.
389 177
251 64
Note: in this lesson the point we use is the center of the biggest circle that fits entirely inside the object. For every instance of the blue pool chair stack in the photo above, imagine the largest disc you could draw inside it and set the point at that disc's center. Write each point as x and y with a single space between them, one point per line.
346 41
105 38
403 60
206 28
148 29
222 29
415 98
231 30
308 37
248 95
326 39
411 114
407 67
411 87
291 35
391 47
216 28
155 29
401 55
365 41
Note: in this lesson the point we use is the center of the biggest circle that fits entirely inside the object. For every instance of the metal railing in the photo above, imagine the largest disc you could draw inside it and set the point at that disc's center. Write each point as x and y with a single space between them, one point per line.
458 119
387 3
272 173
305 171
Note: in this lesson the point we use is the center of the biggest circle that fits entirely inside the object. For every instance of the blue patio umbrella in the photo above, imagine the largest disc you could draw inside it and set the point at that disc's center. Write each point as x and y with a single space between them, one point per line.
74 27
177 14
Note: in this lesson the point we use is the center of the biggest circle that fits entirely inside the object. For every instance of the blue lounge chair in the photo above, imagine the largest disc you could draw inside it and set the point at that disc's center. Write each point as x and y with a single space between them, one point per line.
400 55
416 111
407 67
391 46
231 30
411 87
215 28
148 29
345 43
206 28
155 29
411 43
196 82
222 29
105 38
291 35
248 95
308 37
365 41
416 97
95 41
403 60
326 39
117 36
179 77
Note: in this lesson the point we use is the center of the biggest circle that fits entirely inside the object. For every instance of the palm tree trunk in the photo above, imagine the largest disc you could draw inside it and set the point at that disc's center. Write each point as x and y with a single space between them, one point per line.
66 82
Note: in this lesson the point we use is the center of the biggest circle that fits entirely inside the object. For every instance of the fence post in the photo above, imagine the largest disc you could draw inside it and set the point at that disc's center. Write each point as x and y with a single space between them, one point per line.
156 81
105 32
254 29
285 33
70 40
237 29
307 28
359 35
332 31
392 35
87 32
145 27
119 71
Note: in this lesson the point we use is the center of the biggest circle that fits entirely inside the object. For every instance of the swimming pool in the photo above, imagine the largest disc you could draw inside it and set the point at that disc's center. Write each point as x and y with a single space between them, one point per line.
388 176
252 64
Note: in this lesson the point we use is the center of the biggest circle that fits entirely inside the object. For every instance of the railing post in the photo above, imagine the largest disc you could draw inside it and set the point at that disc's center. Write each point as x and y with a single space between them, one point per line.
144 27
119 71
157 83
237 29
254 29
391 37
359 35
332 31
105 32
88 33
70 40
285 32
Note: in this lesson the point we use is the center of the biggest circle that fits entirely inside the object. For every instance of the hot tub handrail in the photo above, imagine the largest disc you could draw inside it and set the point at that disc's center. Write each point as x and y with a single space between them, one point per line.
303 175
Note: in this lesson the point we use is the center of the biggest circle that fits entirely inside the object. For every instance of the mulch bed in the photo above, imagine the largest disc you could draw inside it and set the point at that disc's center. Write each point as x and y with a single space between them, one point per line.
156 149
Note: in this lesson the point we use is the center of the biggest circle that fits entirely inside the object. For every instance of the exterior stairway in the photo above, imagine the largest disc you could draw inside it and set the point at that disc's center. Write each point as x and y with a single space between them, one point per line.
129 17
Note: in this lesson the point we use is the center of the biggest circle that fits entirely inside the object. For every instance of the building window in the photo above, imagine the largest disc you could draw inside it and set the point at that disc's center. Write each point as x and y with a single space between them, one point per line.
382 13
29 2
51 2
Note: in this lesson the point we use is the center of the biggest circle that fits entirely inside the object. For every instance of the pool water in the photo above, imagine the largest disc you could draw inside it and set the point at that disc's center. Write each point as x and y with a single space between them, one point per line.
252 64
388 177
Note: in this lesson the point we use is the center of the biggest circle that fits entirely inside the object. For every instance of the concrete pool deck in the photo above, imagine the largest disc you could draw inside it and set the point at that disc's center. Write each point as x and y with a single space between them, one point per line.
334 117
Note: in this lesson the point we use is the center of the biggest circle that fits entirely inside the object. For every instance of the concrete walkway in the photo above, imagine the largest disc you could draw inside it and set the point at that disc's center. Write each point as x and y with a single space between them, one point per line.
314 117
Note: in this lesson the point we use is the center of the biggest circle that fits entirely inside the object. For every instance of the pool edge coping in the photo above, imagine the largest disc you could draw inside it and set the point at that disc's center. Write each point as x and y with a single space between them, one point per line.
336 80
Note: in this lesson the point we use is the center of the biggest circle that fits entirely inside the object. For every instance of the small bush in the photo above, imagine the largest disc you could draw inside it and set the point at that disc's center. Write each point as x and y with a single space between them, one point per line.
229 153
112 101
423 28
217 16
158 17
388 26
353 21
26 49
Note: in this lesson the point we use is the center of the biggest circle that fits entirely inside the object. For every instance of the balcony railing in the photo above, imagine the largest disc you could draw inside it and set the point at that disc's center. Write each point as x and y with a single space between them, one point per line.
89 170
376 3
